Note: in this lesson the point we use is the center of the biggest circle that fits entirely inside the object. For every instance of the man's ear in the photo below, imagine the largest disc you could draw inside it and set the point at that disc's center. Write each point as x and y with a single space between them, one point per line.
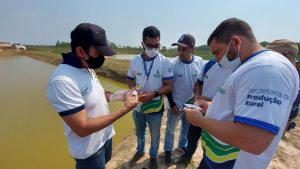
81 53
82 56
143 45
193 49
236 41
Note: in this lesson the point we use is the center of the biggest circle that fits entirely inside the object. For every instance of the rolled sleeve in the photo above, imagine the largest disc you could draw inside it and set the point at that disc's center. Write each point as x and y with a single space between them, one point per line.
65 97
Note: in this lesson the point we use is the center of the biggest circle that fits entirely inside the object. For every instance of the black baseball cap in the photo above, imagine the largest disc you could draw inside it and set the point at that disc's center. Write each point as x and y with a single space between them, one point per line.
186 40
91 34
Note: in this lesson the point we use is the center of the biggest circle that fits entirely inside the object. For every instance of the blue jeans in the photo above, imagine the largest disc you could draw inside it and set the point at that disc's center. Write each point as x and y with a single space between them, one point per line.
97 160
171 125
153 120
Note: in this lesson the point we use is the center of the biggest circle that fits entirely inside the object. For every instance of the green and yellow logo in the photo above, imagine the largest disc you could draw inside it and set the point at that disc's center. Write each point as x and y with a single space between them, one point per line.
195 74
157 74
221 90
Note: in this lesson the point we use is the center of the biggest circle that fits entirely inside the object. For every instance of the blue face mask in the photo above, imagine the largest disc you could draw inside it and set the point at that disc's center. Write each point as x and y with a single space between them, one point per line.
233 64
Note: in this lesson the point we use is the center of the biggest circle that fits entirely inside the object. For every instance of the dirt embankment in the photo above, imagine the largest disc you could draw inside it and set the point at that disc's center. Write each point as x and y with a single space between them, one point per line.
112 68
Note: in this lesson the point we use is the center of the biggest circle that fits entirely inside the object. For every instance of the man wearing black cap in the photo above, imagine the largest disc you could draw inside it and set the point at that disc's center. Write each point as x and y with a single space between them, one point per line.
187 68
77 95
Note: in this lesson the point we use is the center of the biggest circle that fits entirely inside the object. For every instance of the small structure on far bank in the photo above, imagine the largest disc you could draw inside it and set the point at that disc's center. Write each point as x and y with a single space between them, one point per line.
9 46
5 45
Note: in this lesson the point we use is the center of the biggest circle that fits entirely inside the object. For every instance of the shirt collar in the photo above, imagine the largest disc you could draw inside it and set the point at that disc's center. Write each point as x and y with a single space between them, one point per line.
71 59
188 62
143 57
255 54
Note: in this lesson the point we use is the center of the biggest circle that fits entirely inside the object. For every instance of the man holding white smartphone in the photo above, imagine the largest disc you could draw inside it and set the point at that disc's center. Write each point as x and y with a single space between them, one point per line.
211 78
247 117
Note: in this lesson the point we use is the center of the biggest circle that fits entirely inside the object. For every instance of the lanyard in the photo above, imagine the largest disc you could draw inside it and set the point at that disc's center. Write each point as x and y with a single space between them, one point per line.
150 68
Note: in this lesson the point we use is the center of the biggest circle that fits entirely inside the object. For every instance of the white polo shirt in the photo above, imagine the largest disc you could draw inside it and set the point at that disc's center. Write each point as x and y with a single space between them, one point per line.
158 69
214 76
71 90
186 74
259 93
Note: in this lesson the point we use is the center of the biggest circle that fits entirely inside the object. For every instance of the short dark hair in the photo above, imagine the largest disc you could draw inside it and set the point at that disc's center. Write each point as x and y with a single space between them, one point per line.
229 28
151 32
75 44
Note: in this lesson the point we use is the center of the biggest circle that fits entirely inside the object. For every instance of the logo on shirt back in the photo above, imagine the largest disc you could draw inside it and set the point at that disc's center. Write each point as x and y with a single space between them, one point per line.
258 97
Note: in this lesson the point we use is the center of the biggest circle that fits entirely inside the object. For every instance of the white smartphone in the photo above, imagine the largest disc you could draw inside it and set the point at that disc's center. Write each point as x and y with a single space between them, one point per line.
192 106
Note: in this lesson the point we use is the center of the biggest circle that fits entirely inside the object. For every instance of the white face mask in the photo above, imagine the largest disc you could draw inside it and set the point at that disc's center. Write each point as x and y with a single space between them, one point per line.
234 64
151 52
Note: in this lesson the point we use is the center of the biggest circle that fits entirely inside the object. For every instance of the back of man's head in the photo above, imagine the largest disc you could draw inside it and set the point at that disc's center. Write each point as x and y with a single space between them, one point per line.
285 47
231 27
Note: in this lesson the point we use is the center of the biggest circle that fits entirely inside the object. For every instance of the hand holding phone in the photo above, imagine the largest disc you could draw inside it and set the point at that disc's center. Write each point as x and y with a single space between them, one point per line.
192 106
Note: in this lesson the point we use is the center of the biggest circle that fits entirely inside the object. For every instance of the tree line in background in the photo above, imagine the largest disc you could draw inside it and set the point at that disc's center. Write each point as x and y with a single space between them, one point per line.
202 50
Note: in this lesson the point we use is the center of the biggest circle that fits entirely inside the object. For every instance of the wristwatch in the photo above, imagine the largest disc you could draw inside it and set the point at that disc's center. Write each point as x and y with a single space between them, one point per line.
156 94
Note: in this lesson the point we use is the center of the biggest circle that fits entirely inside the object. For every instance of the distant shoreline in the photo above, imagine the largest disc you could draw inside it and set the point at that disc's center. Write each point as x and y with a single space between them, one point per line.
115 69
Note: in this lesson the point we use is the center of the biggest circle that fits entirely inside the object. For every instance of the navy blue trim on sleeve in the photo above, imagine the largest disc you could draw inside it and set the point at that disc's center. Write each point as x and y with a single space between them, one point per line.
208 65
257 123
130 78
167 78
72 111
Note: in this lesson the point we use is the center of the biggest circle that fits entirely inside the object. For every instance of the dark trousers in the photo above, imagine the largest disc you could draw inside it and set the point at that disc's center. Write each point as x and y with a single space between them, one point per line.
97 160
203 165
193 137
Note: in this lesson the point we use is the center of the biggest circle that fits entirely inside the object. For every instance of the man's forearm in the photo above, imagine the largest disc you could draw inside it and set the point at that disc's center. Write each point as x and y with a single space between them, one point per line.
93 125
170 99
245 137
107 95
197 89
167 88
96 124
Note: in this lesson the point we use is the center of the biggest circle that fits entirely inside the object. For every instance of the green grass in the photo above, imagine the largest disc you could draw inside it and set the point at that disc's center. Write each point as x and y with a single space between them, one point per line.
115 69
